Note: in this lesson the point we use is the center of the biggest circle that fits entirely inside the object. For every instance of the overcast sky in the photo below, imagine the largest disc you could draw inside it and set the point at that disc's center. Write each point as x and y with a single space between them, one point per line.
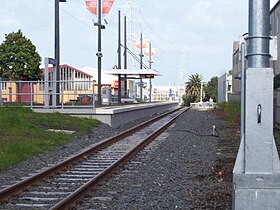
206 29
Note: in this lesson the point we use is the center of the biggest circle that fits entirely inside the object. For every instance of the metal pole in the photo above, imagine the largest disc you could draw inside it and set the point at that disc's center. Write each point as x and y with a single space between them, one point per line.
201 89
119 60
62 94
243 87
46 84
57 53
125 57
31 95
141 65
150 67
99 54
259 34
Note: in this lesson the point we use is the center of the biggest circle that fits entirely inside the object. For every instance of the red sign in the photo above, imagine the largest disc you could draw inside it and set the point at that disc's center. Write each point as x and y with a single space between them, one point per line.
116 84
145 43
106 6
153 51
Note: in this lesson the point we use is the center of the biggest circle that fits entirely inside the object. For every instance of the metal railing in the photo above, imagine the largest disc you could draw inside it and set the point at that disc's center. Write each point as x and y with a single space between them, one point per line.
76 93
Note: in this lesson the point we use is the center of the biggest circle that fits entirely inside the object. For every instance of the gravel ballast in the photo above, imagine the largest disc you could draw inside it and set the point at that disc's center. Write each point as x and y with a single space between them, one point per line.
185 168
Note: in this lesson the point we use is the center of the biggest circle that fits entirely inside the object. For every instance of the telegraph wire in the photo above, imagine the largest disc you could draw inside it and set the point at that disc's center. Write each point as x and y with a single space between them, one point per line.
81 22
114 24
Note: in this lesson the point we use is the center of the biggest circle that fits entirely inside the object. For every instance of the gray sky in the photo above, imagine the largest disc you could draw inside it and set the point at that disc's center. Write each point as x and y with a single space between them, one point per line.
206 28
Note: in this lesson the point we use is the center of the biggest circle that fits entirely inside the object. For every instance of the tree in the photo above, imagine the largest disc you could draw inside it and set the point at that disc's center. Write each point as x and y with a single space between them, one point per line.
19 59
211 89
193 86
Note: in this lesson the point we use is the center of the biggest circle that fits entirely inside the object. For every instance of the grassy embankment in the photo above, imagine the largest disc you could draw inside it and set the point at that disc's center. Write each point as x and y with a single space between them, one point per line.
232 112
23 133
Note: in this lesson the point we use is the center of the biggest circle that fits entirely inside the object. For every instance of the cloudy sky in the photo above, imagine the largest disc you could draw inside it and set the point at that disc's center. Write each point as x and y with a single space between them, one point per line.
204 29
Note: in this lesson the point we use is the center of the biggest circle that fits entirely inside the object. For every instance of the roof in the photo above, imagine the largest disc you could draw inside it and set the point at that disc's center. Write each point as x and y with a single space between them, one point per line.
275 6
105 77
143 73
67 66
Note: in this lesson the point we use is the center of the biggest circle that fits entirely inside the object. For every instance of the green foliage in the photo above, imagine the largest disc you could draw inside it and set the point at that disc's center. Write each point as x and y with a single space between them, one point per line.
24 133
277 81
232 111
19 59
211 89
188 99
193 85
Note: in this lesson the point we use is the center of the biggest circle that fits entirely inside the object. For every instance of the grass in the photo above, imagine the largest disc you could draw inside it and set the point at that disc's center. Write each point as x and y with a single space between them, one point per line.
232 112
23 133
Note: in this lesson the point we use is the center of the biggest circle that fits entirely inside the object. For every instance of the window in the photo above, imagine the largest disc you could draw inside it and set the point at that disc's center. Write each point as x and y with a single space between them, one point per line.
3 85
277 24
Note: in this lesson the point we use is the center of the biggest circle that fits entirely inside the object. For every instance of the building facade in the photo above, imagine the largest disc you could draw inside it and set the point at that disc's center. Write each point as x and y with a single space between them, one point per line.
236 88
275 29
224 87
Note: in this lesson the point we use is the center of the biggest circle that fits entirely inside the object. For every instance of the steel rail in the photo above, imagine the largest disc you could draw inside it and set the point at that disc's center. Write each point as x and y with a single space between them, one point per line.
24 184
90 185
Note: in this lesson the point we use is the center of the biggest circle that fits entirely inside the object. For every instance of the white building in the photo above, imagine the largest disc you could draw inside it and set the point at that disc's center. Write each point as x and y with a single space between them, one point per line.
224 87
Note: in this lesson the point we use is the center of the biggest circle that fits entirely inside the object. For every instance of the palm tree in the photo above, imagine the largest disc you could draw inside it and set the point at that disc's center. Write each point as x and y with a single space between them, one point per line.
193 85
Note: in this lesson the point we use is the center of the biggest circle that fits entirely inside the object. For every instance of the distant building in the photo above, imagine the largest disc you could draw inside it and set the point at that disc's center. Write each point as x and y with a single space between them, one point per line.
165 93
236 61
224 87
76 85
236 85
275 29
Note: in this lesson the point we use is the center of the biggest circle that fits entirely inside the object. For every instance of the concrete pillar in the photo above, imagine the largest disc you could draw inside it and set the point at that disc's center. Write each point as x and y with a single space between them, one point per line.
256 175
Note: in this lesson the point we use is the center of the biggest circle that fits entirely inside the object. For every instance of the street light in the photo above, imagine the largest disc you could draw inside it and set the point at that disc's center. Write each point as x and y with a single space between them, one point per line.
56 47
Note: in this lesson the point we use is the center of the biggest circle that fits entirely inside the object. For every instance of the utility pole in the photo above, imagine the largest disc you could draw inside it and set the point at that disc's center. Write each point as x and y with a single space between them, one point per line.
141 65
181 73
119 60
99 53
125 57
150 67
129 6
56 75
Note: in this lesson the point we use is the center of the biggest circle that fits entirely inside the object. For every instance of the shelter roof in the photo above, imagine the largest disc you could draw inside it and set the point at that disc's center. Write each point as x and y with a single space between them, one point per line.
141 73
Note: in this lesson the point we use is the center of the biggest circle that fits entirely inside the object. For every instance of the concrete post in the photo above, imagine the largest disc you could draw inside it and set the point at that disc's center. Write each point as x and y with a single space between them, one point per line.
256 175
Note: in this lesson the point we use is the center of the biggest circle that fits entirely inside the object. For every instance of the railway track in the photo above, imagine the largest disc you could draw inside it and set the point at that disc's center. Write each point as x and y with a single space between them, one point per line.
61 185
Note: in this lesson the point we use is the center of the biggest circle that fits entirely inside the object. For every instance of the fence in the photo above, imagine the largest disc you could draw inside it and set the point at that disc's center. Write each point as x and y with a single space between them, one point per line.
43 94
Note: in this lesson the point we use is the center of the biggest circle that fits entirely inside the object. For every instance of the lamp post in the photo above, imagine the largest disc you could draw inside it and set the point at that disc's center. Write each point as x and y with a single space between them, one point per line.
56 75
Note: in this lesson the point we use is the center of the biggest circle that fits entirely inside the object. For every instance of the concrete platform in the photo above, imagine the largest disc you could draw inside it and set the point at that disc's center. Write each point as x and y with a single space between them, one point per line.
115 115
